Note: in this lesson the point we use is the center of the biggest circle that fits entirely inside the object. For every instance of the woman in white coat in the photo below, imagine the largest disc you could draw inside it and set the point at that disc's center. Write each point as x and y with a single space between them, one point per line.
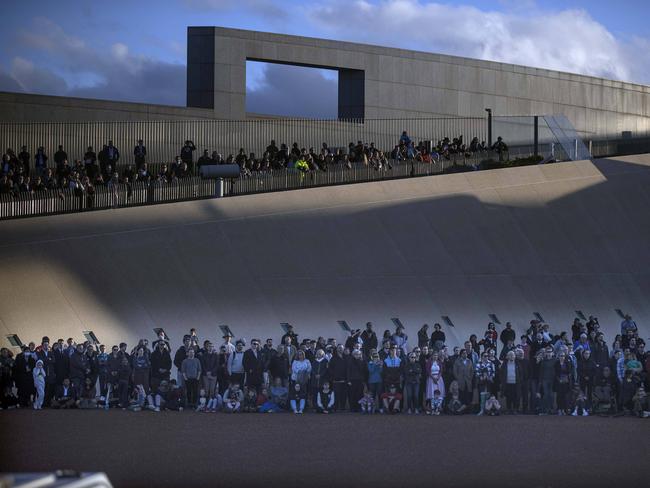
39 384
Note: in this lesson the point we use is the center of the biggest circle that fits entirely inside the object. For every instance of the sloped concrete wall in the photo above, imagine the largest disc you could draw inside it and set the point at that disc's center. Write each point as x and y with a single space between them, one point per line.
549 239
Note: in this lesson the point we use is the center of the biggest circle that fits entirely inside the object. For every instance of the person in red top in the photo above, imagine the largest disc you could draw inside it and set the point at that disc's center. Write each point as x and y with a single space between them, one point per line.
392 400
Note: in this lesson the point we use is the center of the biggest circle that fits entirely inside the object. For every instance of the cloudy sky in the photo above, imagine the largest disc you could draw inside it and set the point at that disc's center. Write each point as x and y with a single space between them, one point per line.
136 51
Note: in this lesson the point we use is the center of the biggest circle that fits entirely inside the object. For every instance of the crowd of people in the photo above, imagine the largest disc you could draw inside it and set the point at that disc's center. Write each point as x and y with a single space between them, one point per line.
541 372
23 173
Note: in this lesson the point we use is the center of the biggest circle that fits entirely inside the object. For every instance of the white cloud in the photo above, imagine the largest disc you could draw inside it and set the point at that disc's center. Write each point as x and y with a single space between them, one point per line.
566 40
116 75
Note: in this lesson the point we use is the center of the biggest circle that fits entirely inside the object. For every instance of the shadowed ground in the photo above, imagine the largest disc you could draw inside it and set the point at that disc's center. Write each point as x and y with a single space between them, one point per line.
189 449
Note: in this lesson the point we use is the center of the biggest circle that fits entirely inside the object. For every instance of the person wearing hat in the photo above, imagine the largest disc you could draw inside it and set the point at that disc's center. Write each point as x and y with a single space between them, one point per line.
230 347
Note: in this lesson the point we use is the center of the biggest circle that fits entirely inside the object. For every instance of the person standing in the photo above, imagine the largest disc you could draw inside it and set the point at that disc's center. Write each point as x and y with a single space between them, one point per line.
191 371
254 366
210 370
39 384
187 153
369 338
140 154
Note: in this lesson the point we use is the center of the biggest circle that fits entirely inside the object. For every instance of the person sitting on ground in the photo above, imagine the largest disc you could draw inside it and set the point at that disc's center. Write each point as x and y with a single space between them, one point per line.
138 398
492 406
202 404
262 398
325 399
367 402
436 403
297 397
641 403
233 398
88 396
455 405
392 400
66 396
249 404
156 399
580 408
215 403
175 397
280 394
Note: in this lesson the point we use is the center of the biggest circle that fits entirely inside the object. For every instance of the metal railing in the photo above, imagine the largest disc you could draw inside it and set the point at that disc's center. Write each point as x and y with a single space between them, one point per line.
164 139
50 202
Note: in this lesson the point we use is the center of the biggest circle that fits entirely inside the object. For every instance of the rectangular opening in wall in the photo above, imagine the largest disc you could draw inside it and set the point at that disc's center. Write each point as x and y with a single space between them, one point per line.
344 325
90 336
291 91
14 340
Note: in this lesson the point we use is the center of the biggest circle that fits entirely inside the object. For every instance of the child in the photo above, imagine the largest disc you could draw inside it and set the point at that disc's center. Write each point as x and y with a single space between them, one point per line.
454 405
580 405
39 384
297 397
250 401
367 402
492 406
392 400
436 403
215 403
233 398
325 399
203 401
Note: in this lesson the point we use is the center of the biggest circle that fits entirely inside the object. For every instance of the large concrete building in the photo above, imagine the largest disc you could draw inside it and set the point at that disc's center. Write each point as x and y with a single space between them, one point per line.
374 82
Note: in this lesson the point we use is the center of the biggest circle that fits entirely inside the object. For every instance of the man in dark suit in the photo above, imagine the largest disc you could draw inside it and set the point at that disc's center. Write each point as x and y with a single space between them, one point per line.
254 365
65 396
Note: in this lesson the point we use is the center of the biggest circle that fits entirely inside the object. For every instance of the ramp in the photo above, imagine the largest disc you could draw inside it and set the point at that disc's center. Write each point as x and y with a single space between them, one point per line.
550 239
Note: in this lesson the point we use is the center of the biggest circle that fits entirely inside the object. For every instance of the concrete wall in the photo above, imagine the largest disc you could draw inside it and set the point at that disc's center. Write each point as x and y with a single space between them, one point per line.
22 107
550 239
399 83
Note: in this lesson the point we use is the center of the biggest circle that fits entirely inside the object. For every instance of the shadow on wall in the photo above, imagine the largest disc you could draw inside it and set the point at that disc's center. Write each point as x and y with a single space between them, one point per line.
572 244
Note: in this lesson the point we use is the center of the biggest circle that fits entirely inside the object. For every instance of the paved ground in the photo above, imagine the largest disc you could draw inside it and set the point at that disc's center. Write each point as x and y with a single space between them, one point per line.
188 449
